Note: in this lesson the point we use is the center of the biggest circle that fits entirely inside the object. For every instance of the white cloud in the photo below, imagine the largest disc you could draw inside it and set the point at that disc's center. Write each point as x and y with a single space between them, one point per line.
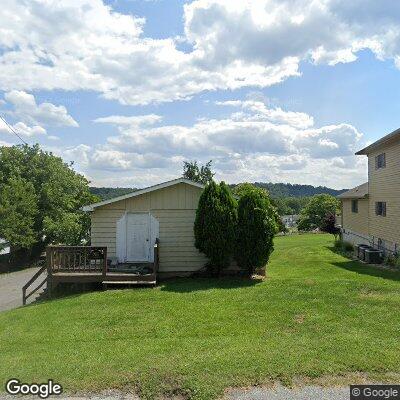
27 110
3 126
22 129
259 108
5 144
329 141
86 45
78 154
243 147
138 120
29 131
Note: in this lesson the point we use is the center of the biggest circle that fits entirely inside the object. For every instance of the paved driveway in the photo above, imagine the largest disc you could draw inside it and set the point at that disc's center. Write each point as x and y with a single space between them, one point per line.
11 287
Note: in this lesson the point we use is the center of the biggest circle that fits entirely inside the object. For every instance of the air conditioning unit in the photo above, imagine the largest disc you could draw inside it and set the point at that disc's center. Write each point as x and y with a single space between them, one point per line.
361 251
357 249
372 256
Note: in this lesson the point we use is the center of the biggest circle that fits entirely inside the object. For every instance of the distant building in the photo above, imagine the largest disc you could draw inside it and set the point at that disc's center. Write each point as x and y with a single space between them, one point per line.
290 221
4 250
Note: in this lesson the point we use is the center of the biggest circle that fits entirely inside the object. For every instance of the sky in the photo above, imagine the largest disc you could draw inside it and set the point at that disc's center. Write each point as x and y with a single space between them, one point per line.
270 90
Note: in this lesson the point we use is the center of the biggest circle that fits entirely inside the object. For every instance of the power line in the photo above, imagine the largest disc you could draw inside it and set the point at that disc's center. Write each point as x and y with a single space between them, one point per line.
13 130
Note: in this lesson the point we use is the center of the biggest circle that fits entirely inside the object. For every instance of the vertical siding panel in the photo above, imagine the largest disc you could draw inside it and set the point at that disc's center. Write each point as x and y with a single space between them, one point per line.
355 222
182 196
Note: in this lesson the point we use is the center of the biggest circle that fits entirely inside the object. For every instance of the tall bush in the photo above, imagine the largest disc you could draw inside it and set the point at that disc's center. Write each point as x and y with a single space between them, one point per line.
257 225
215 224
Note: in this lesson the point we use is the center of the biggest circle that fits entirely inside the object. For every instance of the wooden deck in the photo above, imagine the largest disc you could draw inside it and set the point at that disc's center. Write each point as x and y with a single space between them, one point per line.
88 264
87 277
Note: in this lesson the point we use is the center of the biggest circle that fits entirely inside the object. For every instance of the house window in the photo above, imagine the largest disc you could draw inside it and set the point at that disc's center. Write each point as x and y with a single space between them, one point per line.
354 206
380 161
380 208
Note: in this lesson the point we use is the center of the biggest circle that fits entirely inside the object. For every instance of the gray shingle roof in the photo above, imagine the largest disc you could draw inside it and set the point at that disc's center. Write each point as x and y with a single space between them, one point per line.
359 192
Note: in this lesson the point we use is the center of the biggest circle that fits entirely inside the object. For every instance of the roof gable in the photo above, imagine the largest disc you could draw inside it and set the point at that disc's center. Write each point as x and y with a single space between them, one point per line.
395 135
139 192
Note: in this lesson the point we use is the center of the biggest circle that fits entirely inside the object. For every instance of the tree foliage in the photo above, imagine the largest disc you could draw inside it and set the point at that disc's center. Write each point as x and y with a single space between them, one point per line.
246 188
18 210
284 204
201 174
290 205
329 225
277 190
257 225
313 215
40 200
105 193
215 224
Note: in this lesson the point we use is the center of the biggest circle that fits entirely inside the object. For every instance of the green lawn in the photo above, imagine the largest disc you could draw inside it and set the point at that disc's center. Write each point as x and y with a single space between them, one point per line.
316 314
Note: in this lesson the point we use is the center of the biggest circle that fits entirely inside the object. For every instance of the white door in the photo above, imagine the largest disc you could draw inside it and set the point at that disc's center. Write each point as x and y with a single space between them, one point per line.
138 237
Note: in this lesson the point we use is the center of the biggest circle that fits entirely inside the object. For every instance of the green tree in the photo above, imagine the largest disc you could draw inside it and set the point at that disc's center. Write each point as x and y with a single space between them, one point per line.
281 206
314 213
18 211
40 200
257 225
214 226
193 172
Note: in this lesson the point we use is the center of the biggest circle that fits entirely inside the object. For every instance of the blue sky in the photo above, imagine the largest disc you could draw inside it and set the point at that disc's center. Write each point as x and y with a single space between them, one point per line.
271 91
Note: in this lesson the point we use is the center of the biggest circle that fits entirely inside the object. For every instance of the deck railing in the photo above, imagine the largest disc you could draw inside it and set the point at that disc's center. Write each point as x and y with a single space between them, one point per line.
76 259
41 272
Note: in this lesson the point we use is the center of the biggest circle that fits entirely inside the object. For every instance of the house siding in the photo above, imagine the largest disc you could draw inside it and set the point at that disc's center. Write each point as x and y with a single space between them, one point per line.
384 185
355 222
175 209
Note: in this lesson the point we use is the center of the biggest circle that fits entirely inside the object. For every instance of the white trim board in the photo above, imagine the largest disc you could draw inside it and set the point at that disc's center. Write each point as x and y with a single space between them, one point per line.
163 185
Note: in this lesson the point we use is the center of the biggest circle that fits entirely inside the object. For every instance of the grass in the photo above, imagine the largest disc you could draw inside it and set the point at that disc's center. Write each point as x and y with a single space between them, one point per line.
317 314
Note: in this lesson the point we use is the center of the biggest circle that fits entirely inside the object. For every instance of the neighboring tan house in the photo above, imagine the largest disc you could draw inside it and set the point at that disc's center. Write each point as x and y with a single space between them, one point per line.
129 225
371 211
290 221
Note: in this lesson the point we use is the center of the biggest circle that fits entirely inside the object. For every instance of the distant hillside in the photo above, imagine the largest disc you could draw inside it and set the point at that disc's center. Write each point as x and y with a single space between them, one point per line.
108 193
289 190
276 190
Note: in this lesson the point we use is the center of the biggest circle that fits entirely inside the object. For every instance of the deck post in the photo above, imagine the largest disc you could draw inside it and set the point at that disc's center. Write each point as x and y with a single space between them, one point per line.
105 263
49 262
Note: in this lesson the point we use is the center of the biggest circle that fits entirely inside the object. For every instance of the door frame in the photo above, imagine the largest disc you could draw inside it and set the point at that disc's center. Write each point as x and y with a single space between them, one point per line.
148 233
121 237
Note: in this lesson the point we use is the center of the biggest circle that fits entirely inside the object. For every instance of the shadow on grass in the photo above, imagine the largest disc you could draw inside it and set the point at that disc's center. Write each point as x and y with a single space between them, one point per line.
66 290
186 285
177 285
358 267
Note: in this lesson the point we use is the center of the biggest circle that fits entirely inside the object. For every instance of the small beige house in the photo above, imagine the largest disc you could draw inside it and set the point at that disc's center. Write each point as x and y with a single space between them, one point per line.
129 226
371 211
